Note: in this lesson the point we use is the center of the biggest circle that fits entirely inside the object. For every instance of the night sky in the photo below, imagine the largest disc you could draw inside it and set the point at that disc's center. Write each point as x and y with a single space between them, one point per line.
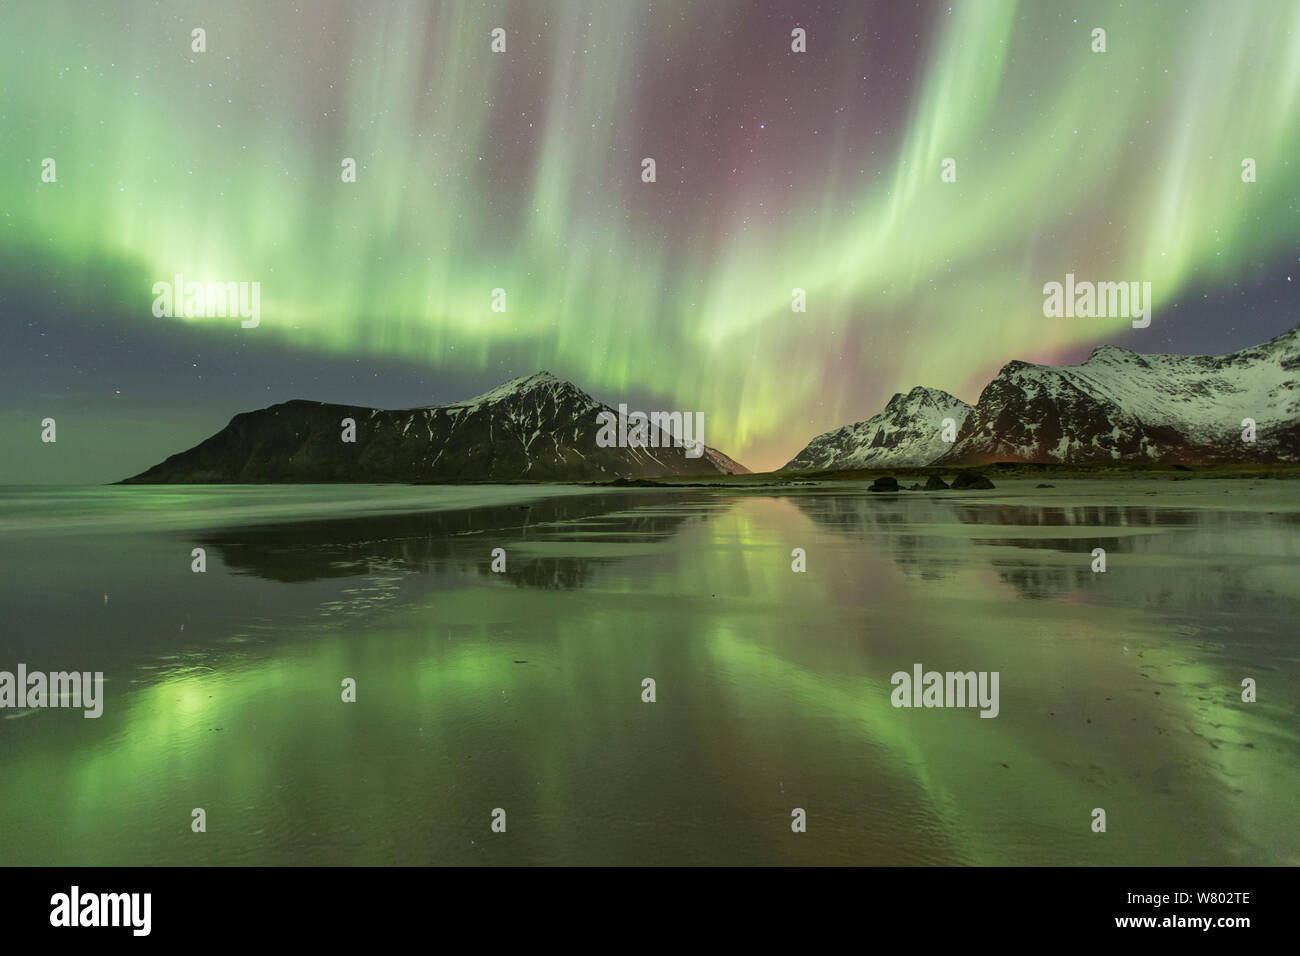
522 170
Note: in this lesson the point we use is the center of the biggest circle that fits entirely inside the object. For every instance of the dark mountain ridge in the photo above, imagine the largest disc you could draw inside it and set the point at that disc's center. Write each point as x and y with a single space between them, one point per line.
534 428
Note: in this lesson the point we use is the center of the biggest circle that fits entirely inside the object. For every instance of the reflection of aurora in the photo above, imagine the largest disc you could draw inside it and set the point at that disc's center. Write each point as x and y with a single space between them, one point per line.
773 692
1153 750
520 171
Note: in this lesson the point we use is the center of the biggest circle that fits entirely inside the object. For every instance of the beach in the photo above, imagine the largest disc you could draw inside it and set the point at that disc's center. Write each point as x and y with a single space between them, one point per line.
522 690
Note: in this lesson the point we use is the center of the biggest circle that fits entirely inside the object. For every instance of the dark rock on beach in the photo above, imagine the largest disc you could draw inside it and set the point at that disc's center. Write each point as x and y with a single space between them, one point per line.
968 480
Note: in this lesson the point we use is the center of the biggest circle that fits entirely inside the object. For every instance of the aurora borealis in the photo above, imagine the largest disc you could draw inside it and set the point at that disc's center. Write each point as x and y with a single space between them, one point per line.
522 171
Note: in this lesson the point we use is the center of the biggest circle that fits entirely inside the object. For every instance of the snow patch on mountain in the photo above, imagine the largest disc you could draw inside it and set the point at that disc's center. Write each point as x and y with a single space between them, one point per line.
1121 405
908 432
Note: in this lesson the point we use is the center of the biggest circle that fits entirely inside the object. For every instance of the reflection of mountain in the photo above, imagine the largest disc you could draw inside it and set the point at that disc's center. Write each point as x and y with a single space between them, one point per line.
535 428
894 520
438 542
1042 565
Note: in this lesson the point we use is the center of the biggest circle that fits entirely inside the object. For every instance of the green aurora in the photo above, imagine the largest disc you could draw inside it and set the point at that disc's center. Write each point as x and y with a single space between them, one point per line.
521 171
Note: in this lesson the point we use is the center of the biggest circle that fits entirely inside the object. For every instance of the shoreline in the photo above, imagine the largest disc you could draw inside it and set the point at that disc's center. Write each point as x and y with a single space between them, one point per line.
1003 469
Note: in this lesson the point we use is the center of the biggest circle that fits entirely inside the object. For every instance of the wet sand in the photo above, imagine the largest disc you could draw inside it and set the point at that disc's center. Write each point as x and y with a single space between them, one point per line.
522 690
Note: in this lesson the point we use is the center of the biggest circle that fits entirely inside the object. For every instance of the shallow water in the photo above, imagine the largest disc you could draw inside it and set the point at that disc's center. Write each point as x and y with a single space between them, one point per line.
522 690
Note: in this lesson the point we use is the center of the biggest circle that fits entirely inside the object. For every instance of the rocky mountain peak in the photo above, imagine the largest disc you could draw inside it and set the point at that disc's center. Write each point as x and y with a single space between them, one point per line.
536 427
908 431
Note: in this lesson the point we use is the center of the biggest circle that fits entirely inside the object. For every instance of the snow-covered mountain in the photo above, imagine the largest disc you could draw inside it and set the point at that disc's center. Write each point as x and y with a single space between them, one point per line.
537 427
1123 406
907 433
